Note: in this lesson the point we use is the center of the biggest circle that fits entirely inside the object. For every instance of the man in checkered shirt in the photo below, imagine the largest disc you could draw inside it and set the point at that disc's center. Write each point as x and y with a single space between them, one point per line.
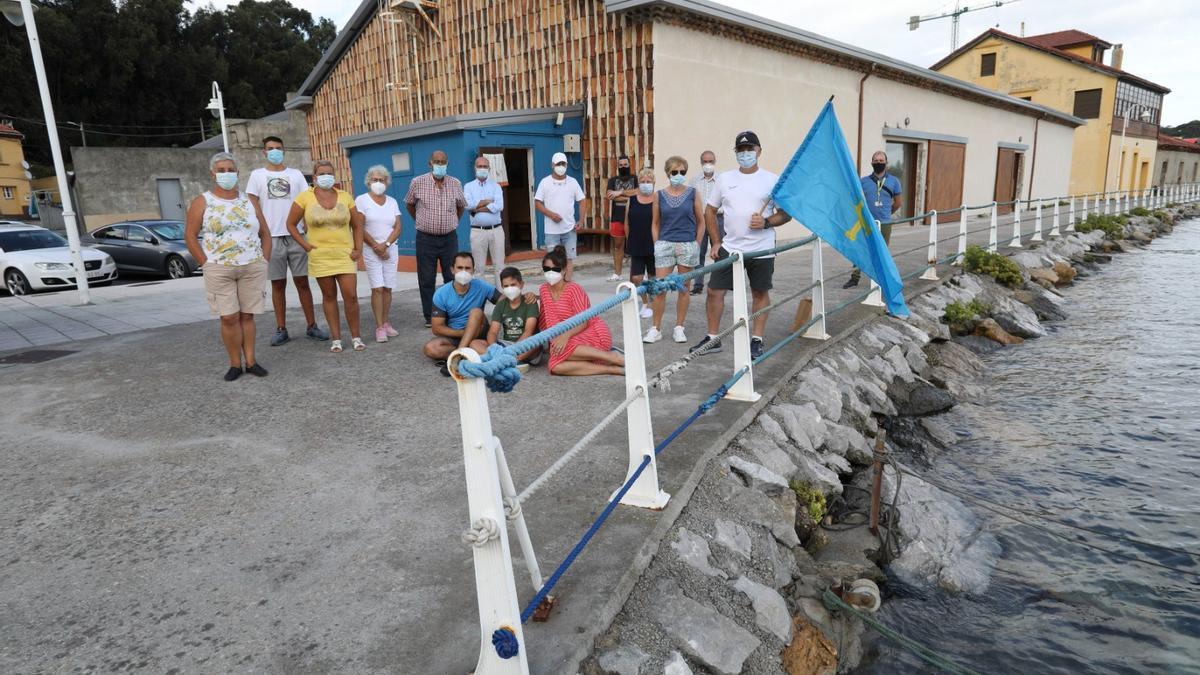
435 201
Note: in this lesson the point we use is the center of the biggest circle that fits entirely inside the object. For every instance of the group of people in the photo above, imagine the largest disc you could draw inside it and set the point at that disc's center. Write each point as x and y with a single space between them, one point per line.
282 224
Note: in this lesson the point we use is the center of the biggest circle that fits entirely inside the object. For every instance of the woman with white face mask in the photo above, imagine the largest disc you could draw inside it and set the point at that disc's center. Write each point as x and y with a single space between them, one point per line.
678 225
381 229
640 216
334 240
585 349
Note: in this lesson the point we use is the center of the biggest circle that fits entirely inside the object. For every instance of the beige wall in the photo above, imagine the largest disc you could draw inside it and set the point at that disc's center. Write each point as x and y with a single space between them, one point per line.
708 88
12 176
1174 158
1126 175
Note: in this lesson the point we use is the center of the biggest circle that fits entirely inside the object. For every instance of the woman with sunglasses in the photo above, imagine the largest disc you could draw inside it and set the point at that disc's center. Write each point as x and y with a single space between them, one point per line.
678 226
585 349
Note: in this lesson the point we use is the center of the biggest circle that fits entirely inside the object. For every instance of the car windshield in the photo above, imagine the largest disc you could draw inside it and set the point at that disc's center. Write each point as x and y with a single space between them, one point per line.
28 240
171 231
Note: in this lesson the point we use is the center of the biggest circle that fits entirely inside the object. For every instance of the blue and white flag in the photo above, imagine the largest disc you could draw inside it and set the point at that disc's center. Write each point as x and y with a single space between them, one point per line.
821 189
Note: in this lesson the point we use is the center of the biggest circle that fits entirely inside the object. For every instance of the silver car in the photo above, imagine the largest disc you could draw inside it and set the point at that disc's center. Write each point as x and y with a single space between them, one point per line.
146 247
33 258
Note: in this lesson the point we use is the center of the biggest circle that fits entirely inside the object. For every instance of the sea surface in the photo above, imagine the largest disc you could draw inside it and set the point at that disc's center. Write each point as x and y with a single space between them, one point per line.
1098 425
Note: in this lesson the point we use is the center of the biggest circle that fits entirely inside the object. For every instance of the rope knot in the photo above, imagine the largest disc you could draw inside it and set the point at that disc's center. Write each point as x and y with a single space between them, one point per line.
482 531
497 367
671 282
512 508
504 639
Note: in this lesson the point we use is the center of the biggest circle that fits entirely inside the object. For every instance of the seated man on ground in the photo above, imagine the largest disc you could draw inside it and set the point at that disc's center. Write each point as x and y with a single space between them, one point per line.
513 319
458 318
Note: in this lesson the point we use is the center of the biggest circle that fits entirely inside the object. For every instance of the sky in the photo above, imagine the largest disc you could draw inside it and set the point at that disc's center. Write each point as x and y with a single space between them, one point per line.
1157 46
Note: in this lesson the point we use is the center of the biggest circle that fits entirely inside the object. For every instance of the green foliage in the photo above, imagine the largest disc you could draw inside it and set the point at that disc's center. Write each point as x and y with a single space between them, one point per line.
1161 215
1139 211
980 261
810 498
1112 226
1186 130
129 68
961 314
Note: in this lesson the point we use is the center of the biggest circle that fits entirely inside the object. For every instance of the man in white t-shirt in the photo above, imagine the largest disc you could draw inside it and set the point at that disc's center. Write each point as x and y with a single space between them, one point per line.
272 189
744 196
556 198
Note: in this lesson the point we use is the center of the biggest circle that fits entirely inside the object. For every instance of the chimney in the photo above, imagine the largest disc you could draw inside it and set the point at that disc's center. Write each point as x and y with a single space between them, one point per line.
1117 56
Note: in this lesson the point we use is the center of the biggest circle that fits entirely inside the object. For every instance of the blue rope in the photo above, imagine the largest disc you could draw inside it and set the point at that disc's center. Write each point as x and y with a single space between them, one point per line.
504 639
708 404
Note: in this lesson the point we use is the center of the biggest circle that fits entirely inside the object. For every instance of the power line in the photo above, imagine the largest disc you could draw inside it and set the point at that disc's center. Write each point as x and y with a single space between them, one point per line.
69 127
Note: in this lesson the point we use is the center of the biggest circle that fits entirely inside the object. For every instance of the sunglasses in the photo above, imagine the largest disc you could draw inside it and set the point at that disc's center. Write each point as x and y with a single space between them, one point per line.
551 268
678 172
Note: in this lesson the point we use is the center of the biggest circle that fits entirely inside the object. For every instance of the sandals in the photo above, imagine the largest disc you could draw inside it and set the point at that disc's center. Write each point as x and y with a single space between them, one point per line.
358 344
336 346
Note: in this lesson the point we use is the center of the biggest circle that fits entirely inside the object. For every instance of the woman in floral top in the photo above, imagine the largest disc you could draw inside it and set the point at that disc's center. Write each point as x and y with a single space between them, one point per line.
228 236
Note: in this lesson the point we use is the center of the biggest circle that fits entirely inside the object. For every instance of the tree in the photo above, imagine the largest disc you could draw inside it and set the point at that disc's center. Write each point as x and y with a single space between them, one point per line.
1186 130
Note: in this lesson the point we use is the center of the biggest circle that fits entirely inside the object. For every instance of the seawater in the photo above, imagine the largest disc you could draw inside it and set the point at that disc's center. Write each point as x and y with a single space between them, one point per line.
1096 424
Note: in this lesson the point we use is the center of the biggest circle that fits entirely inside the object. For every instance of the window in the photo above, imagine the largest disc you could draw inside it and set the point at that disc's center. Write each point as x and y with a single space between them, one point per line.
987 64
1087 104
8 192
401 162
1137 100
139 234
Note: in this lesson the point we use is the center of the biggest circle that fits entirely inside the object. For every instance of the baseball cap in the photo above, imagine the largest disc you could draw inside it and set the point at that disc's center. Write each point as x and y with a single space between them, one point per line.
558 157
746 138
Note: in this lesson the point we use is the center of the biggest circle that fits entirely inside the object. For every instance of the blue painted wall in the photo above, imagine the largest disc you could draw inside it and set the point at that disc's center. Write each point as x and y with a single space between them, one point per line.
462 147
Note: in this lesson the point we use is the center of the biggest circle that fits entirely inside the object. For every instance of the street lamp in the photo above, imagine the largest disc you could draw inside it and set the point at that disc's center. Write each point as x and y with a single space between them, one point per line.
1144 117
216 105
20 13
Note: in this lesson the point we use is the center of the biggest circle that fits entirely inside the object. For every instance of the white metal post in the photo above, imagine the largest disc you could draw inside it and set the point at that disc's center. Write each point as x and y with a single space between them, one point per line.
1037 223
1054 221
1015 242
743 389
992 233
516 516
1084 211
1106 204
495 588
962 239
644 492
931 271
817 330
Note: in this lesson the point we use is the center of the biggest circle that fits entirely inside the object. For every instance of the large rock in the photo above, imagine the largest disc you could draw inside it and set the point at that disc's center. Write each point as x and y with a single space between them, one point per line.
941 432
777 515
836 462
758 476
847 442
906 327
701 631
919 397
1044 277
977 344
899 363
1066 273
782 563
768 453
1014 317
991 330
770 609
822 392
733 537
813 472
693 550
772 429
875 397
1047 305
916 358
624 659
676 665
803 424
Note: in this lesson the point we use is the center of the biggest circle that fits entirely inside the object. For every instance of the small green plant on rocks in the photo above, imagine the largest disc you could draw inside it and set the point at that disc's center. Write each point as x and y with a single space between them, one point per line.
958 313
1112 226
1139 211
811 499
979 260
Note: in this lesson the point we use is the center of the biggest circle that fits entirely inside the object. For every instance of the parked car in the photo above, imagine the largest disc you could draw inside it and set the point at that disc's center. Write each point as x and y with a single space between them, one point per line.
33 258
146 246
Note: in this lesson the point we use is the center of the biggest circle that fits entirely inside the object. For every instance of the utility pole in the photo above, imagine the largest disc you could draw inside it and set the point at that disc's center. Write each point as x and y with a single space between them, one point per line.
914 22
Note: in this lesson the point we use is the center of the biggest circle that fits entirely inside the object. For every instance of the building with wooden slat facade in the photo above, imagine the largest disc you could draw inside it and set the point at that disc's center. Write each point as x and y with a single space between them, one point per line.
521 79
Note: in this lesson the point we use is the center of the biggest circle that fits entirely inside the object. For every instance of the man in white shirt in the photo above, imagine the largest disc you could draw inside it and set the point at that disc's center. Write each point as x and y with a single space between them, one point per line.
744 196
556 198
485 202
272 189
704 184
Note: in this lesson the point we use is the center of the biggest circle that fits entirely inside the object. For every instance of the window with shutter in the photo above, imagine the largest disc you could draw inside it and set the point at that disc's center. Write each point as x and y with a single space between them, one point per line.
1087 104
987 65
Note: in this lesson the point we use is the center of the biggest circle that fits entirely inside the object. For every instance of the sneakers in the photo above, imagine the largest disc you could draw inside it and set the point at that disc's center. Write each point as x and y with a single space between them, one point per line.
279 337
442 368
652 335
389 331
678 335
256 370
851 282
696 290
315 332
232 374
381 334
647 312
756 347
522 368
704 344
614 277
428 323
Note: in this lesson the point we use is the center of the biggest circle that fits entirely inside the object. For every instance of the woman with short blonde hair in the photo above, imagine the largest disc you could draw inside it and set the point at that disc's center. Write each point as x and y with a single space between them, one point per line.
678 226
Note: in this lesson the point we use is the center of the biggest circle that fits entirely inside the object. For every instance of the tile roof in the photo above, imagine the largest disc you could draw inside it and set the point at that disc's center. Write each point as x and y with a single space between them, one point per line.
1085 62
1177 143
1065 38
8 130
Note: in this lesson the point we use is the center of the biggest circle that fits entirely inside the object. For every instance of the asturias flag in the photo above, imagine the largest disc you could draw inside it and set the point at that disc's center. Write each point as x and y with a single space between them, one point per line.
821 189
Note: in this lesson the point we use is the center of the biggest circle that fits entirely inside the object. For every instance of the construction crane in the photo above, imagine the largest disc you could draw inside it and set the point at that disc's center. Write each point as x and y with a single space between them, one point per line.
915 22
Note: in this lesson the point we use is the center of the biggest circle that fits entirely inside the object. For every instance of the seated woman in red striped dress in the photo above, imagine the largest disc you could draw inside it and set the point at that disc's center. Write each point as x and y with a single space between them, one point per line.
585 349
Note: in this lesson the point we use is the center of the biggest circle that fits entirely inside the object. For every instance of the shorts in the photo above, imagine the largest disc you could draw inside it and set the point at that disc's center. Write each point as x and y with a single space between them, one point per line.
380 273
286 253
758 270
233 289
672 253
642 265
567 240
616 228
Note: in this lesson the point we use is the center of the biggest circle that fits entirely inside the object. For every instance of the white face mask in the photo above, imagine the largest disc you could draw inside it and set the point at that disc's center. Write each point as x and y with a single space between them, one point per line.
378 188
560 170
511 292
553 277
325 181
463 277
708 169
646 188
747 159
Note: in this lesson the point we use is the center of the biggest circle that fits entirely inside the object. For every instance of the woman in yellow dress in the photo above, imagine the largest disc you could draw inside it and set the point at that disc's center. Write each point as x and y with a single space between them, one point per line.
333 239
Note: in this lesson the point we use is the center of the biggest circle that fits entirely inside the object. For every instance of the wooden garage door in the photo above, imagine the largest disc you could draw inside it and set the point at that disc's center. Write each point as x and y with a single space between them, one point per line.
1006 178
944 178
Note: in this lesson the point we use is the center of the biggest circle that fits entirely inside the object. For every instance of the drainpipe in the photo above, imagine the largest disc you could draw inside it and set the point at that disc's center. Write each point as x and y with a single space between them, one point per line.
858 154
1033 161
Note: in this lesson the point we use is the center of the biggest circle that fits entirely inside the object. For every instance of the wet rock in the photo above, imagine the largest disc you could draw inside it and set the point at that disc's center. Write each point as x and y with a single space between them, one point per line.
693 550
822 392
939 431
770 609
769 454
1125 246
977 343
624 659
954 357
700 631
1047 305
1066 273
676 665
1014 317
991 330
920 397
733 537
758 476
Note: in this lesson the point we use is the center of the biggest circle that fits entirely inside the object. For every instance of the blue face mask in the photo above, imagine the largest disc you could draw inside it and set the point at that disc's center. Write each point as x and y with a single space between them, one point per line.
481 173
678 179
227 180
747 159
275 156
325 181
439 170
646 188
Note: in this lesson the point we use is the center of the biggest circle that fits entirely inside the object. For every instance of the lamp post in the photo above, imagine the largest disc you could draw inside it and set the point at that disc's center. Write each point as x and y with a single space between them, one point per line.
216 105
20 13
1144 117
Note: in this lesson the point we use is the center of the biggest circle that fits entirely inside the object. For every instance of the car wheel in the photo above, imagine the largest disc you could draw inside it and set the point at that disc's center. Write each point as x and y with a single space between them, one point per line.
16 283
177 268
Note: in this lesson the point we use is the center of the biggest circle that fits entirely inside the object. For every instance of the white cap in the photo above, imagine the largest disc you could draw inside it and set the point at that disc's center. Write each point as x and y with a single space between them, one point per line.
558 157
